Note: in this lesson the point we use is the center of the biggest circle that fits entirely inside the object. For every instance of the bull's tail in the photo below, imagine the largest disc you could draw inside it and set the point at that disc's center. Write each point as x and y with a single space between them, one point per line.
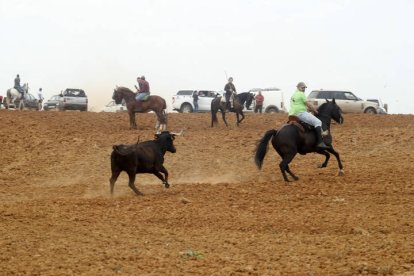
261 148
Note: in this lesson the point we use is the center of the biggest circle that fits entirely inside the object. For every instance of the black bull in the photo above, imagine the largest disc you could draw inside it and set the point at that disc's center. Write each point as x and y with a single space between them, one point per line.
145 157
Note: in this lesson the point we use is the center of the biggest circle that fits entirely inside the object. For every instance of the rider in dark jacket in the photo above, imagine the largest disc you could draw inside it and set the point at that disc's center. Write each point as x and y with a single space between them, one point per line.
17 85
230 89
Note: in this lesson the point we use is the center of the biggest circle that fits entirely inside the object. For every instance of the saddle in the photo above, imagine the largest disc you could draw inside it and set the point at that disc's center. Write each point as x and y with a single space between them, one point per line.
302 126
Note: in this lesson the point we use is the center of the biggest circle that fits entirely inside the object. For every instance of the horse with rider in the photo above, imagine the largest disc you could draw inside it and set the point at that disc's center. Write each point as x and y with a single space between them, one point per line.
17 93
304 133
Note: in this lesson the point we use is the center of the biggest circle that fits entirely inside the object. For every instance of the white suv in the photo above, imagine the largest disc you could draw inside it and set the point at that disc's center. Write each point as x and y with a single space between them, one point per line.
273 99
183 100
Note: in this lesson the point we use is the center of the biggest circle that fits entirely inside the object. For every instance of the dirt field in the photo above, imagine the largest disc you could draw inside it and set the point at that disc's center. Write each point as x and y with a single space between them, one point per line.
221 215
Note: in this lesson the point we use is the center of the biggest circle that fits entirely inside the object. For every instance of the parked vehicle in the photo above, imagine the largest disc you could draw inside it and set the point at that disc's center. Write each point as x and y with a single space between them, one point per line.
383 107
273 99
1 102
346 100
52 103
113 107
183 100
73 99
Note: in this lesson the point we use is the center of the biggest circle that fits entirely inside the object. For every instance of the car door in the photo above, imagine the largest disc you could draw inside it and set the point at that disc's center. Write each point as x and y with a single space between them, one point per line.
204 100
353 105
341 101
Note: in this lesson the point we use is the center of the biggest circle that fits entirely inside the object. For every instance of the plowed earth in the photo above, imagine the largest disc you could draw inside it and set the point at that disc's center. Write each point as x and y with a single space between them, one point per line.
221 215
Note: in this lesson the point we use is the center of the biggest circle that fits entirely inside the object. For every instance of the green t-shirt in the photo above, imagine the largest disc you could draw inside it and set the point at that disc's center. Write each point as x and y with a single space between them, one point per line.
297 103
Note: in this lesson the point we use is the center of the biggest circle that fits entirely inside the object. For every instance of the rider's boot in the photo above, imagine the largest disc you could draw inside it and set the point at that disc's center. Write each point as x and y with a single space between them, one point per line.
319 141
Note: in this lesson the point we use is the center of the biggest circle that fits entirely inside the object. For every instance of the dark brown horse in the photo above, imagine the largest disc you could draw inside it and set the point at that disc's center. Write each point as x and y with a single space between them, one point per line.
239 101
153 103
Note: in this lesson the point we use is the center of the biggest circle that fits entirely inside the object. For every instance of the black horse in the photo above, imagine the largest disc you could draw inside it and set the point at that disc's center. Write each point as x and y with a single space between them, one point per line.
239 101
290 140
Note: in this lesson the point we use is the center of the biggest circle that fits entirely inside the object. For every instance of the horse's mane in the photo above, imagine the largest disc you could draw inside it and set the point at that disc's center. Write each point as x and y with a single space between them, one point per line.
322 108
123 88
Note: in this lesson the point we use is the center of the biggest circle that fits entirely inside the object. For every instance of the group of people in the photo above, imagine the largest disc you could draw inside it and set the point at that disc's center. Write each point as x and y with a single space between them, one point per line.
299 105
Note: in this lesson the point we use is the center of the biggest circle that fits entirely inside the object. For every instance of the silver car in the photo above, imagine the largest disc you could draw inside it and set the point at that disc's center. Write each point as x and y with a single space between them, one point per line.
346 100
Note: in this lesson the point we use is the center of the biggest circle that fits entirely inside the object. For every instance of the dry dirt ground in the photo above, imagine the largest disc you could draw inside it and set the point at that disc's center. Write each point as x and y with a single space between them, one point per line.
221 215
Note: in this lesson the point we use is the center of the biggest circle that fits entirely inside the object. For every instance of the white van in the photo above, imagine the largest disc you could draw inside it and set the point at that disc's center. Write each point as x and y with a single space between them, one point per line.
273 99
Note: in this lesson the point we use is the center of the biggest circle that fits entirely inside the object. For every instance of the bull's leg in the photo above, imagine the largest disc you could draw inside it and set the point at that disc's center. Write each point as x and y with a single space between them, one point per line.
114 177
165 172
131 184
161 177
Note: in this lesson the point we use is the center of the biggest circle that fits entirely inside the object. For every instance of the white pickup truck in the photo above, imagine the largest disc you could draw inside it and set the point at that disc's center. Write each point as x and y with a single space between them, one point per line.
73 99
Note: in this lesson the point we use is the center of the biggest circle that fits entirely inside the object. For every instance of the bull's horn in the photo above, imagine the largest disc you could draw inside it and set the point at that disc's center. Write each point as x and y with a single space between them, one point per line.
178 134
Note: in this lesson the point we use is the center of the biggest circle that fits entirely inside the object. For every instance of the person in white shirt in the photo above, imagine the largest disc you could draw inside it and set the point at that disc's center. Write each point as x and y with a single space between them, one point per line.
40 95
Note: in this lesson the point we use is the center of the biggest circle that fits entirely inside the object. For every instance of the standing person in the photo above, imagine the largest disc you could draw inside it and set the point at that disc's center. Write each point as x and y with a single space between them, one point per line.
259 102
41 98
299 107
143 89
17 85
230 89
195 101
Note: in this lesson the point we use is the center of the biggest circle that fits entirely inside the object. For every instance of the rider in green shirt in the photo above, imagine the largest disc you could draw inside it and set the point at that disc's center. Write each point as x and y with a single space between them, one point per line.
299 107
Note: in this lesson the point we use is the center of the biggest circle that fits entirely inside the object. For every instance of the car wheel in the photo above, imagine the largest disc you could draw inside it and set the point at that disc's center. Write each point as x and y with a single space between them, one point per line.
272 110
370 110
186 108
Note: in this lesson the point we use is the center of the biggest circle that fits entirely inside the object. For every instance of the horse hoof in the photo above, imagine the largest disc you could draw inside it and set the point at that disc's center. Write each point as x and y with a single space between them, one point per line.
167 185
296 178
341 173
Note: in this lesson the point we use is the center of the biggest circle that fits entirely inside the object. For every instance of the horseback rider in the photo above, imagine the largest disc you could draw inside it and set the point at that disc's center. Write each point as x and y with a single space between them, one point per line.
143 89
299 107
230 91
17 85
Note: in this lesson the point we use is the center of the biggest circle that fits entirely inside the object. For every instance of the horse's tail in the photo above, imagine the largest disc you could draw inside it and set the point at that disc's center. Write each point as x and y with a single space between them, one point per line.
261 148
8 93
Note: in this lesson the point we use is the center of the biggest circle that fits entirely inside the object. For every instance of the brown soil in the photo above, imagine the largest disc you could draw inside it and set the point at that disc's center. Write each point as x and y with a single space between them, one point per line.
221 215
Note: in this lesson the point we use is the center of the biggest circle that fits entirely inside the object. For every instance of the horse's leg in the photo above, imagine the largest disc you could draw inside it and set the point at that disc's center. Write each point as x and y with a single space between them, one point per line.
131 184
115 174
284 165
132 122
239 121
223 115
331 150
327 156
157 126
291 173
